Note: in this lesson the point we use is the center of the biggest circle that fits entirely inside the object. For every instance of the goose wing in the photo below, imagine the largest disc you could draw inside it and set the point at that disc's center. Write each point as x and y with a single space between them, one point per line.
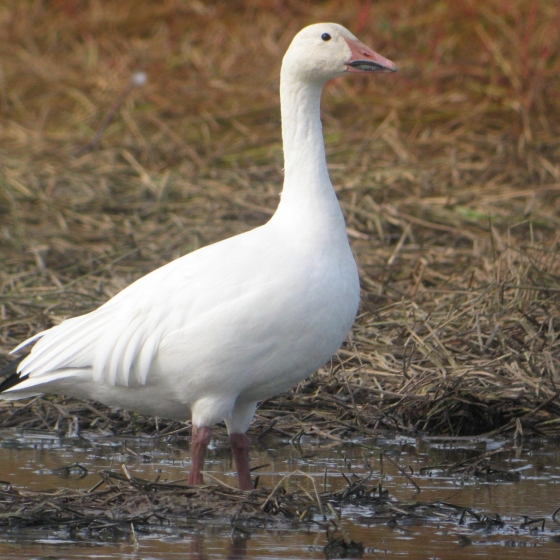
118 341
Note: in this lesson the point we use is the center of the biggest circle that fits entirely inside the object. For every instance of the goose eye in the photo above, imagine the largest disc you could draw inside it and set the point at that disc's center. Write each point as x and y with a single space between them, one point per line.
326 37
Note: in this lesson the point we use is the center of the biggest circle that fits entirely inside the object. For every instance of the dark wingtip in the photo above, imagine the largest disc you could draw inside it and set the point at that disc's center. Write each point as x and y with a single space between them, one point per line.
10 374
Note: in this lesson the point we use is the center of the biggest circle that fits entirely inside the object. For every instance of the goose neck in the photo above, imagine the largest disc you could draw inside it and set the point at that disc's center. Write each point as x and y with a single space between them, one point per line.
308 203
302 134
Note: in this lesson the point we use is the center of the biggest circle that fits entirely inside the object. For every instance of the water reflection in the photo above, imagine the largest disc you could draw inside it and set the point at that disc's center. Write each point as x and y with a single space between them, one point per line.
237 547
42 461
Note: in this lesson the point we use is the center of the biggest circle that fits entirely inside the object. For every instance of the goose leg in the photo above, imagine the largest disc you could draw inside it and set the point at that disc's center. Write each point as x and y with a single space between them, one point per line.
240 449
201 436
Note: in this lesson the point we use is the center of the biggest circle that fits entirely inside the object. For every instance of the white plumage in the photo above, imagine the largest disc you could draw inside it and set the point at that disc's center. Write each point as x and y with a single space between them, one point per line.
211 333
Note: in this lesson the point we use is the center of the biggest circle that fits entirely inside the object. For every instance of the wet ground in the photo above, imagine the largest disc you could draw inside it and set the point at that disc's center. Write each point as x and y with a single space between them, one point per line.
478 497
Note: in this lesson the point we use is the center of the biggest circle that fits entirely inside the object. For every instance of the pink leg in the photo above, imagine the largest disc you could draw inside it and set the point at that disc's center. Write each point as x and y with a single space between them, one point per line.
240 449
201 436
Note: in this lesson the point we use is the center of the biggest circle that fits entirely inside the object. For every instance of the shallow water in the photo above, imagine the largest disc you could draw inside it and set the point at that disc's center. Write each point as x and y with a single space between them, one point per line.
40 461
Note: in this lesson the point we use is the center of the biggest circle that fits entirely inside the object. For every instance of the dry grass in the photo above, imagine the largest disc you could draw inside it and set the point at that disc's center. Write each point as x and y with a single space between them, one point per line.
449 175
120 505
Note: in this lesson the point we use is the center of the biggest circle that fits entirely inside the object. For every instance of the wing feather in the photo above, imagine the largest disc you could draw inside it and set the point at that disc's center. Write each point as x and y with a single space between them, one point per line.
27 341
105 349
30 382
131 351
58 347
147 353
115 368
117 343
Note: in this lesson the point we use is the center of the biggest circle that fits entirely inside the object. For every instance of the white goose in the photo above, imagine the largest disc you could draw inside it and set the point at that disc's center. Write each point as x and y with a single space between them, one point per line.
210 334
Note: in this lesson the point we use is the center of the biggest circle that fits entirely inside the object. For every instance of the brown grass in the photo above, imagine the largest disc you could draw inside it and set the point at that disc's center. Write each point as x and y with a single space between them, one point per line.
120 505
449 175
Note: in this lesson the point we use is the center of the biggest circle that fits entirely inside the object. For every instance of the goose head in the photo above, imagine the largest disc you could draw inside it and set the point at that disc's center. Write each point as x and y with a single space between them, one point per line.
323 51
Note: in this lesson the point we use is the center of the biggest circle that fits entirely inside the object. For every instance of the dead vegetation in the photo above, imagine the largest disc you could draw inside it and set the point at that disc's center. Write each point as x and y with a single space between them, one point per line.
120 506
449 175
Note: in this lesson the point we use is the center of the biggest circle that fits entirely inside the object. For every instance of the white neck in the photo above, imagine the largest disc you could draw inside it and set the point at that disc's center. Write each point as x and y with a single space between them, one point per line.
308 194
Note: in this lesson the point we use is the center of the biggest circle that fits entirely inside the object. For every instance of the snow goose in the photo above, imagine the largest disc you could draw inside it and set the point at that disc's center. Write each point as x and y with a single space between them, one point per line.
210 334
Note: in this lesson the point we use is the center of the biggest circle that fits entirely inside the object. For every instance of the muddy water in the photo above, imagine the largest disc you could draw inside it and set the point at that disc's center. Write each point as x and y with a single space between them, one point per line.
40 461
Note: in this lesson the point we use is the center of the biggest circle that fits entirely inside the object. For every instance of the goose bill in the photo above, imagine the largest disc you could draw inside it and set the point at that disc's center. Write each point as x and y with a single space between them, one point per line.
365 60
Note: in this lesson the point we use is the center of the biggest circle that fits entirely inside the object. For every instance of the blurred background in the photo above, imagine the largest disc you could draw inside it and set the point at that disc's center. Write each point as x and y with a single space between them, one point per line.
133 132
